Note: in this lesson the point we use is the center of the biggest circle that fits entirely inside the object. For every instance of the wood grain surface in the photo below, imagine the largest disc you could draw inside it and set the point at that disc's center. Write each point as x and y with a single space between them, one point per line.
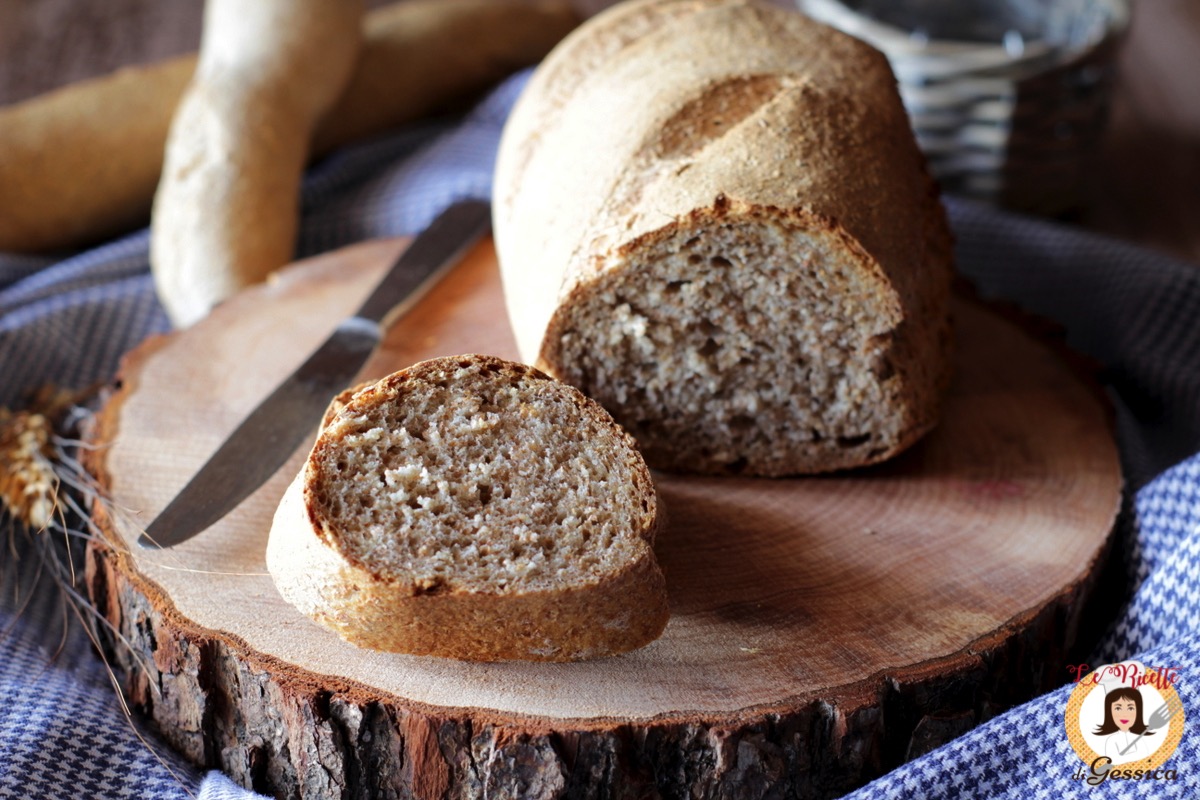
786 595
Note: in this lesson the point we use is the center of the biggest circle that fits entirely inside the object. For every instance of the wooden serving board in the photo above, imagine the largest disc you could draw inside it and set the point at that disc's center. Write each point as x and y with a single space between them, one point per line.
823 629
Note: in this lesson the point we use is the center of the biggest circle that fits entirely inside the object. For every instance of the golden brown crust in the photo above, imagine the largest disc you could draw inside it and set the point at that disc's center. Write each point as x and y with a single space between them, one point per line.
534 626
82 162
703 113
315 571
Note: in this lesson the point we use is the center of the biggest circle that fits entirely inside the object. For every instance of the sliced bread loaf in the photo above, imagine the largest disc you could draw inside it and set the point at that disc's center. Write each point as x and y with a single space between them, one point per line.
712 217
473 508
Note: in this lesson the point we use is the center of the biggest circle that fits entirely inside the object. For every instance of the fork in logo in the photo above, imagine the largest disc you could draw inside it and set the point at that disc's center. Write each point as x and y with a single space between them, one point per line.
1161 716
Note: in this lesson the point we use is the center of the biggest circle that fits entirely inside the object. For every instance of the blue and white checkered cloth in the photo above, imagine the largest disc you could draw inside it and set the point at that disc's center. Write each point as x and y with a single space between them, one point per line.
68 320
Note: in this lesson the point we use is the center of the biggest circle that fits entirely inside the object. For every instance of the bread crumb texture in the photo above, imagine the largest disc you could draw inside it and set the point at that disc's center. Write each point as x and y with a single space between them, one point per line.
498 511
479 476
782 369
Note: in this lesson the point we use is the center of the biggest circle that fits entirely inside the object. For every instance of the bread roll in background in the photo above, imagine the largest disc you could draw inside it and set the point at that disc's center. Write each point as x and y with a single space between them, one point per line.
227 209
473 508
712 217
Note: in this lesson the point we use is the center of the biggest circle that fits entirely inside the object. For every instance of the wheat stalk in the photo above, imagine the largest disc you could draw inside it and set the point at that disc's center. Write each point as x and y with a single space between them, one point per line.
28 482
43 491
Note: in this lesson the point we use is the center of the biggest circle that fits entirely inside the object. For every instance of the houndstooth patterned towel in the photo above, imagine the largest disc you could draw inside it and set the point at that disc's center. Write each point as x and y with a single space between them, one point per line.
68 320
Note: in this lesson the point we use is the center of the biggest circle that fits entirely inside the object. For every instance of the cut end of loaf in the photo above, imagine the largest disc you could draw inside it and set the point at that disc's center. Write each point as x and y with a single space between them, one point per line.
479 475
474 508
750 340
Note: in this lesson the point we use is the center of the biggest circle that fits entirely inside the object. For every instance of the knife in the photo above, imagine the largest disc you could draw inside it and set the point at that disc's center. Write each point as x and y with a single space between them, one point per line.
280 424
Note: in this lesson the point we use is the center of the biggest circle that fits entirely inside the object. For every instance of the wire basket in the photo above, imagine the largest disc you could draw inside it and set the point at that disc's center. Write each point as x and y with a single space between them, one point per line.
1007 98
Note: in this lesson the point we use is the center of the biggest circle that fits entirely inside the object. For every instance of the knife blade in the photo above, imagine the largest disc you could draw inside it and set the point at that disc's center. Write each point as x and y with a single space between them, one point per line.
272 432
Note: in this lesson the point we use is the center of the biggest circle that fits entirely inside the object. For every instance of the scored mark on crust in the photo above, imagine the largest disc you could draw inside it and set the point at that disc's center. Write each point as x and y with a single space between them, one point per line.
713 114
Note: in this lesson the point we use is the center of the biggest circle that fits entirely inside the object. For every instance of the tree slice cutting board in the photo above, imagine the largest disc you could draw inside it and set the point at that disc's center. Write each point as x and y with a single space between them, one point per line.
823 629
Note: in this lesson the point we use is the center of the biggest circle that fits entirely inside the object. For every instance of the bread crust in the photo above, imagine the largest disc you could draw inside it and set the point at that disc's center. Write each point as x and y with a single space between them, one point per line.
616 612
699 113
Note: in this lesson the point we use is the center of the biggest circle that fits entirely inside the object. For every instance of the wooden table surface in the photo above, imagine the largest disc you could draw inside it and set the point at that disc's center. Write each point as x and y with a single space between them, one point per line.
1145 186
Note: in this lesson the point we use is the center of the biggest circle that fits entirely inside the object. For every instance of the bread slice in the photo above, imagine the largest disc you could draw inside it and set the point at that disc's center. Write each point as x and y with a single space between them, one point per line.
473 508
713 218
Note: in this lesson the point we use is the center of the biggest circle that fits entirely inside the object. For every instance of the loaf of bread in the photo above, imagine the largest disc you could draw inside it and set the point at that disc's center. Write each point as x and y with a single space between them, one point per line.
473 508
712 217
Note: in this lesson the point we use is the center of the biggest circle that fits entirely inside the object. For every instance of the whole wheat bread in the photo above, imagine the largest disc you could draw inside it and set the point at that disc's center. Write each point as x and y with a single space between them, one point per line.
712 217
473 508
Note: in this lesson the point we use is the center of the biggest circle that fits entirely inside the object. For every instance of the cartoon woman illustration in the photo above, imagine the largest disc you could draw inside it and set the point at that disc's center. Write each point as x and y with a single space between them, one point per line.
1124 726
